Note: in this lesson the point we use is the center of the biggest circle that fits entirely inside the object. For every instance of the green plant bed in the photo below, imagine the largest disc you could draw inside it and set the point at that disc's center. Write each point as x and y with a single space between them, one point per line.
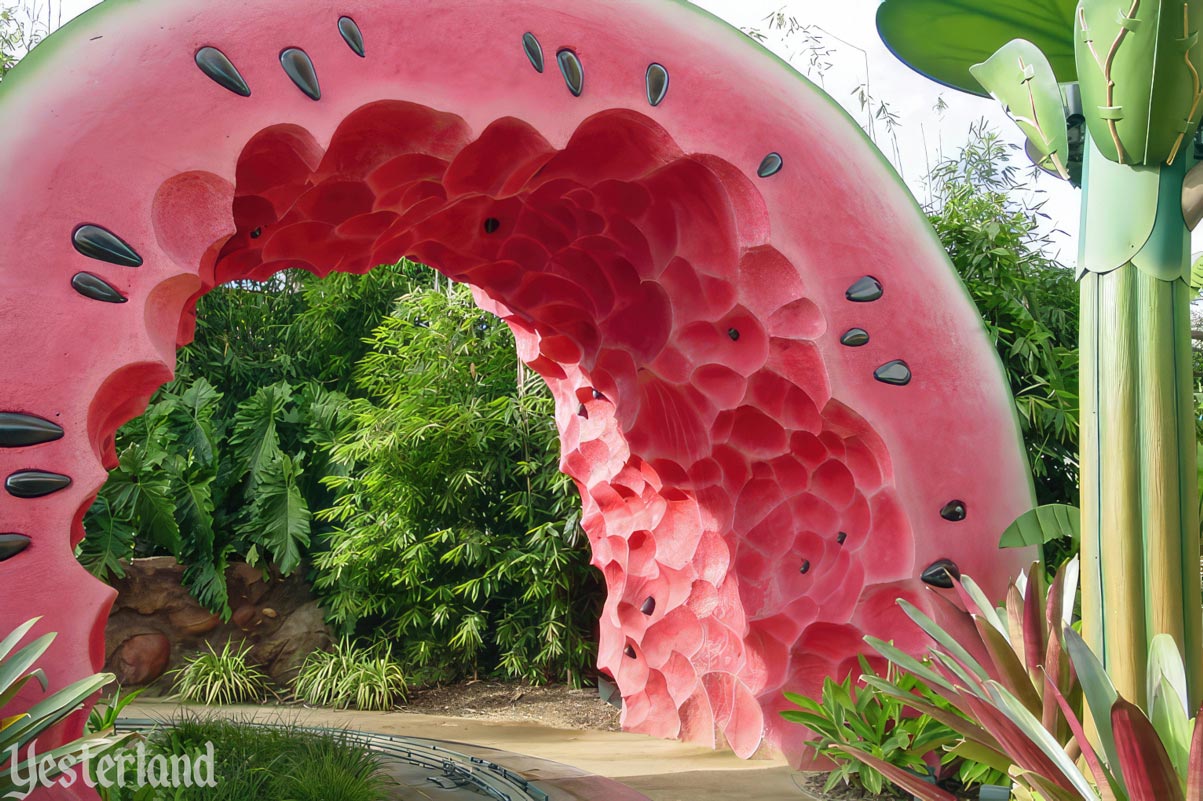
282 761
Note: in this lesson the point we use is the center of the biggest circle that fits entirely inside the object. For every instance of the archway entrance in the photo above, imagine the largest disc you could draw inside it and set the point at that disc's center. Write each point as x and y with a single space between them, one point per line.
777 401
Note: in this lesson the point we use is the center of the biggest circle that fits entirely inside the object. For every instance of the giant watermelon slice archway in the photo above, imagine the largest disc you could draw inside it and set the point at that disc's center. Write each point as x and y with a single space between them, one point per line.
775 396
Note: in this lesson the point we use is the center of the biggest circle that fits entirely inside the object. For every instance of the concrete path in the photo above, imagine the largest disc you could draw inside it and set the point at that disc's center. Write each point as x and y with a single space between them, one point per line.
662 770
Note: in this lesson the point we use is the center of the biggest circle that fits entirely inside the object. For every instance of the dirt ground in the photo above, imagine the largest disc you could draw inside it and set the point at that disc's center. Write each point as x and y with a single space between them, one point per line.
556 706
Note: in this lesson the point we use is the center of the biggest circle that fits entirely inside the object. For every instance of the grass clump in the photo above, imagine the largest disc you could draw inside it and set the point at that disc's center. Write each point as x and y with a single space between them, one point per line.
280 761
348 675
220 678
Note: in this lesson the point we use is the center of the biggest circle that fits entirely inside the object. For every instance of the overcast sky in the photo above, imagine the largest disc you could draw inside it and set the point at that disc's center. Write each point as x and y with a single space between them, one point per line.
923 134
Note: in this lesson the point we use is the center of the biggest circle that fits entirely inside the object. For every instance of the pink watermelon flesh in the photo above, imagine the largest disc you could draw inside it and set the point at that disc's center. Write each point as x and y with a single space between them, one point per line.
695 279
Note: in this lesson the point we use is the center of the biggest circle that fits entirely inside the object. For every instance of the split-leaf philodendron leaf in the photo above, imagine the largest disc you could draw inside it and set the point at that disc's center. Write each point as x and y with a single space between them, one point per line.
942 39
1140 77
1020 77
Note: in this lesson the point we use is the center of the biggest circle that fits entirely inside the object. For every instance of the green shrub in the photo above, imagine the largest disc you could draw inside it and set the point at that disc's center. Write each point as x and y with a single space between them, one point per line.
366 678
220 678
869 721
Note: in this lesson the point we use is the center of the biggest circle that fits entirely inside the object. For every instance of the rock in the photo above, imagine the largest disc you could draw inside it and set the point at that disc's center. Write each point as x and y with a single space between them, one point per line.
195 621
141 659
246 617
154 614
302 633
245 584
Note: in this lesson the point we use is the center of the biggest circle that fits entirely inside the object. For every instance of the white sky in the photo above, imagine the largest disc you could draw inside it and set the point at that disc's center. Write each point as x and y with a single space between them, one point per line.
923 133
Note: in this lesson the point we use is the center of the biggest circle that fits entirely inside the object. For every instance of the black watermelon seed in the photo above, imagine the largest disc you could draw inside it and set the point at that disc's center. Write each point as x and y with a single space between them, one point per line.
218 66
896 373
22 430
770 166
491 225
573 72
649 605
855 337
12 544
351 35
258 232
582 411
299 67
941 574
657 84
805 567
865 290
842 538
629 651
35 483
598 395
103 245
734 334
954 511
534 51
91 286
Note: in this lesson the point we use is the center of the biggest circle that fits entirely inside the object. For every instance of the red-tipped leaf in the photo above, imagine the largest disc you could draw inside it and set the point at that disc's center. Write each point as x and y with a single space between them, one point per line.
907 781
1194 774
1148 772
1102 777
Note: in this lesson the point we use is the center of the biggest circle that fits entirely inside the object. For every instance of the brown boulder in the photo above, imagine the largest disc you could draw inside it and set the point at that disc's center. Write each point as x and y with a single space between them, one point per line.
301 633
195 621
141 659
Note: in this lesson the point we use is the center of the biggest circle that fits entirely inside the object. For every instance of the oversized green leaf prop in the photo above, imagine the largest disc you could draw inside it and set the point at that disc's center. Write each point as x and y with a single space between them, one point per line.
1020 77
1140 77
942 39
1042 525
1196 273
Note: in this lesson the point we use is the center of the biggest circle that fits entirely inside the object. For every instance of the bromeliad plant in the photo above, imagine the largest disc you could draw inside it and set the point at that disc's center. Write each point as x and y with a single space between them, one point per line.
1000 672
1132 754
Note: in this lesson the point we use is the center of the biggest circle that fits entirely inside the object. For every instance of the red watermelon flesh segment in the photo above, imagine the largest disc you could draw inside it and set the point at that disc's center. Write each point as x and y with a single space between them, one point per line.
695 280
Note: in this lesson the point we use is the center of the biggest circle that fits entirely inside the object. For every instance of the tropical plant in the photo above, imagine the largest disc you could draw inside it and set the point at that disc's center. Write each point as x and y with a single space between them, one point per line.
1150 752
864 719
979 655
1128 113
104 715
20 730
228 460
220 678
351 675
455 532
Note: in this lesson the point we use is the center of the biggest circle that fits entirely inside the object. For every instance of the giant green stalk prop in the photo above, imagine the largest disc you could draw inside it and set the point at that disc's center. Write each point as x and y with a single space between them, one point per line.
1136 65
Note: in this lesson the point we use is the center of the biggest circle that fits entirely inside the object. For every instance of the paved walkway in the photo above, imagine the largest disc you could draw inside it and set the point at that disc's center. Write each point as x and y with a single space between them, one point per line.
660 770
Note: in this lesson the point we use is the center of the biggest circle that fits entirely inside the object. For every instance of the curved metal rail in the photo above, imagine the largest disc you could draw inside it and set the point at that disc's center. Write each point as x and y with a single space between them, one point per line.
460 770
